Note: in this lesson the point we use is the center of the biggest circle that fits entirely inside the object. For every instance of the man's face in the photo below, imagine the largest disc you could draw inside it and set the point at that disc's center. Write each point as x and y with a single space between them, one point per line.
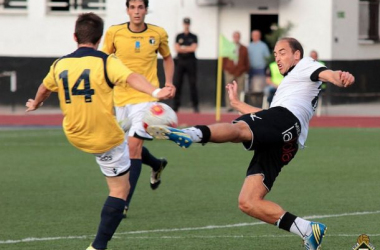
256 36
236 37
284 56
314 55
137 11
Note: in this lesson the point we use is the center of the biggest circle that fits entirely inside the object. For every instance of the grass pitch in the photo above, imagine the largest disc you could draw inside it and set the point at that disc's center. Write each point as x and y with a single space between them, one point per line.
52 194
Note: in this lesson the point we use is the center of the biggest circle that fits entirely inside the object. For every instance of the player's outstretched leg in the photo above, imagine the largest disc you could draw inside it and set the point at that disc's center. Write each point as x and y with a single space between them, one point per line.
218 133
168 133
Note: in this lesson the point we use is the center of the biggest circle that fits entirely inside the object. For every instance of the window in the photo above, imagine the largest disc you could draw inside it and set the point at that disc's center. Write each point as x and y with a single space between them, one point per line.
13 6
369 20
76 6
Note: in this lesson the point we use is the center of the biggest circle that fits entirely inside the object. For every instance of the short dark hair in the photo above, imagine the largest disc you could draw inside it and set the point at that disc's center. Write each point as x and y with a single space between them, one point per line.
294 44
146 3
89 28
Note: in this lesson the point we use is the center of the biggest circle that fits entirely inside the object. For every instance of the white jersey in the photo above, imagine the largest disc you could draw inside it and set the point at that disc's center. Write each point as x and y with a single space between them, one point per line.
299 93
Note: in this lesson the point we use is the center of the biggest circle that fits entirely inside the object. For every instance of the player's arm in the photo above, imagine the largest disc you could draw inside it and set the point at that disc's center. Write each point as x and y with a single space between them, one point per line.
42 94
192 48
338 78
141 84
235 102
168 63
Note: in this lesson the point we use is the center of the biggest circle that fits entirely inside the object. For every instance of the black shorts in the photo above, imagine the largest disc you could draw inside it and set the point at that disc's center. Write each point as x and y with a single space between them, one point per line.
275 141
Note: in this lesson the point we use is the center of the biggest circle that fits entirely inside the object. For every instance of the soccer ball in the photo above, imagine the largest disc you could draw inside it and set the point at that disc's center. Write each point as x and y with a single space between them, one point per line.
160 114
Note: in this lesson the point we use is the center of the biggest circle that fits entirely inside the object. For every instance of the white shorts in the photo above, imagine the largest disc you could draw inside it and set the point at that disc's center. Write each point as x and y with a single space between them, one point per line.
114 162
132 114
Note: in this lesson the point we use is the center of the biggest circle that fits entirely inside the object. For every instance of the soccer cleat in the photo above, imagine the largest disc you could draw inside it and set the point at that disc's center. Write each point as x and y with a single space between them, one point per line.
125 212
90 248
168 133
155 176
314 240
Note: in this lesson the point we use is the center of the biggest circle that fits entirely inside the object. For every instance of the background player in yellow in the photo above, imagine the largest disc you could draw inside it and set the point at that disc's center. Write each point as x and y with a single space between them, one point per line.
84 81
136 44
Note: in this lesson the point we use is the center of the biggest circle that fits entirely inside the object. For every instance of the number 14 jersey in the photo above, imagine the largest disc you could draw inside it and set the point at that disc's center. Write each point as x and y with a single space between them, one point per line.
84 81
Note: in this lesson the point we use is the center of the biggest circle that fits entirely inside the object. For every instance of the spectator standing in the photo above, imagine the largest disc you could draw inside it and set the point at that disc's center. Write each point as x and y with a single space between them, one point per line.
186 44
258 53
235 70
273 80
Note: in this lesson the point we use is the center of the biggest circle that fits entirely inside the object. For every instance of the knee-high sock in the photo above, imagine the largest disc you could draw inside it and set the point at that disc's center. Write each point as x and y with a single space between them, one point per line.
134 175
148 159
112 214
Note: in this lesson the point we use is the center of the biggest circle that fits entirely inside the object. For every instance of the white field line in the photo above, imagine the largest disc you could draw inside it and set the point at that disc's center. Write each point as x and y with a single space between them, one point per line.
200 228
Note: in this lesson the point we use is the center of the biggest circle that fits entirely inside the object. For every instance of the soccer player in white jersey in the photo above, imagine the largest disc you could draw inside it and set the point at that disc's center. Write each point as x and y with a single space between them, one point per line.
274 134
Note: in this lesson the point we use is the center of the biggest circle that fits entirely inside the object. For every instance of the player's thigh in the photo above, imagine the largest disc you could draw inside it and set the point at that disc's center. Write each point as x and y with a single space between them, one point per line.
118 186
135 147
115 165
230 132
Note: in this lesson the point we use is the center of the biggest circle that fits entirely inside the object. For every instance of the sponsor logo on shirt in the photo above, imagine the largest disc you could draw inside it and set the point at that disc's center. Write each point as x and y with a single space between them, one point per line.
152 40
137 46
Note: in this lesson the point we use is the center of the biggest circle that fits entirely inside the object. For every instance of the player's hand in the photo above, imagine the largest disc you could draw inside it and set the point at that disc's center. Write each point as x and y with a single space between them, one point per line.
232 91
173 89
164 93
346 78
32 105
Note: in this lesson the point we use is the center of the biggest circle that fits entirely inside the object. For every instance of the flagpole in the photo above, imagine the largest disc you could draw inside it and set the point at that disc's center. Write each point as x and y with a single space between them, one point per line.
219 85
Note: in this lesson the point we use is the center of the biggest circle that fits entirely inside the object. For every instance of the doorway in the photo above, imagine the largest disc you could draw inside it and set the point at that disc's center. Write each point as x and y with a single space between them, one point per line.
263 23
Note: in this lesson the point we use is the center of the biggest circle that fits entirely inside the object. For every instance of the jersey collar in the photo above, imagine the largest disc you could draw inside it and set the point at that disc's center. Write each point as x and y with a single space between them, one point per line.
290 69
146 27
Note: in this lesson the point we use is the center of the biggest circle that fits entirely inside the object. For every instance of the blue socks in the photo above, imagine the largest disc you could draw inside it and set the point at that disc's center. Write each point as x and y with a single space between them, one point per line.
111 215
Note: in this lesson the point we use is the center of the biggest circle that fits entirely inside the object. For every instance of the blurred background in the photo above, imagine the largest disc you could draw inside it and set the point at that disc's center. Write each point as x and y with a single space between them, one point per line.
33 33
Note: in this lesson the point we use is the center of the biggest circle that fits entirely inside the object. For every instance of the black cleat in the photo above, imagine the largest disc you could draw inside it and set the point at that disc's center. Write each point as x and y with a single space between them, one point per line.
155 177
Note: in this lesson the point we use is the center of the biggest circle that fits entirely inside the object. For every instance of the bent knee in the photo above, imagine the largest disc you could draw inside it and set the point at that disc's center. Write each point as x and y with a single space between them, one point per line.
249 206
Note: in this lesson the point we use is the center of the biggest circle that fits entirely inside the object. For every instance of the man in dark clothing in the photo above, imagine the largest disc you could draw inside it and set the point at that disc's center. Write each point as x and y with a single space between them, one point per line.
186 45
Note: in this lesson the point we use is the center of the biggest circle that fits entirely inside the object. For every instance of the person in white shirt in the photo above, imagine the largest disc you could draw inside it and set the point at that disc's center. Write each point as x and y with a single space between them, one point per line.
274 134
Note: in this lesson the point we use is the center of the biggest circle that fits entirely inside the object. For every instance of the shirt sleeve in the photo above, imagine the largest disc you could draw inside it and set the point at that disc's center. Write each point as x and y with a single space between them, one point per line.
108 45
164 45
311 69
117 72
49 81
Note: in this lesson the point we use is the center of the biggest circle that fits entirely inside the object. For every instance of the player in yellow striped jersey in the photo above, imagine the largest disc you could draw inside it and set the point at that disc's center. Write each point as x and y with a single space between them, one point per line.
84 81
137 43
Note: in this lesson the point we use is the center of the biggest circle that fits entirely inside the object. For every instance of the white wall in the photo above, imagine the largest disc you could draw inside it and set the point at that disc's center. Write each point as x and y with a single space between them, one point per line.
346 45
237 17
312 24
316 25
37 34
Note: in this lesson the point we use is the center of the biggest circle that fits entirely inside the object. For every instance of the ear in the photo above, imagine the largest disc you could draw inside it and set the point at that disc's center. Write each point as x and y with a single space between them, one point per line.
75 38
297 55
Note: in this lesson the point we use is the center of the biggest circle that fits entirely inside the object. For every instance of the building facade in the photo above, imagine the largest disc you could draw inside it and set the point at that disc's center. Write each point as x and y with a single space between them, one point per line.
33 33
